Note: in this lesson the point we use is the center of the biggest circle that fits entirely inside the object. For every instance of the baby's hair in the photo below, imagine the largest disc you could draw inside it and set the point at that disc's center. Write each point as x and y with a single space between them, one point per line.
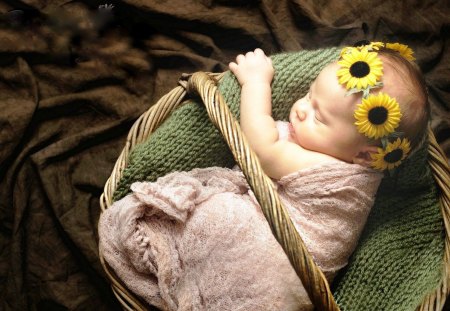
415 107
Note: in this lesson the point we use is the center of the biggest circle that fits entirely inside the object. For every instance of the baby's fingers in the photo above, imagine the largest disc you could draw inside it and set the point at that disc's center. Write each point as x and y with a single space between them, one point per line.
233 66
240 58
259 52
249 54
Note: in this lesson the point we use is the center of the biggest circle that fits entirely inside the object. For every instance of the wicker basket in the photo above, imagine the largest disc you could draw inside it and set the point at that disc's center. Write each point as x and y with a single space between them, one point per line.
204 84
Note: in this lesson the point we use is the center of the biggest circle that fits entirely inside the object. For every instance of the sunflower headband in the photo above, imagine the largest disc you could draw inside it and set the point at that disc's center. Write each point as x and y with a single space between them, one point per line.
378 115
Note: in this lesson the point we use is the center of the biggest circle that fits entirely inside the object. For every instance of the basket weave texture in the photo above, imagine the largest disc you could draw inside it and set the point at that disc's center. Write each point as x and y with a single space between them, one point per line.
317 287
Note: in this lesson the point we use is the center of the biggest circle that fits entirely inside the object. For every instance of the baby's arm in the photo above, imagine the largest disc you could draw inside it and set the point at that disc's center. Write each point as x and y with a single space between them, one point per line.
254 72
278 158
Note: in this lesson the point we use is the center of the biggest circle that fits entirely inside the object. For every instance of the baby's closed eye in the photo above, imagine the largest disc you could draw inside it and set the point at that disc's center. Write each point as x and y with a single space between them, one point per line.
317 118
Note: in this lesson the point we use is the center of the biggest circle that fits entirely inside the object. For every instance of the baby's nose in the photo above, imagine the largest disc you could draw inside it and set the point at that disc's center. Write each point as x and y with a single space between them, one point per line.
301 114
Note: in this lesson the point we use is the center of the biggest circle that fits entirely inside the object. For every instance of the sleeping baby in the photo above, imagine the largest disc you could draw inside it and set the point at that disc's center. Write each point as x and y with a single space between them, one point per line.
198 240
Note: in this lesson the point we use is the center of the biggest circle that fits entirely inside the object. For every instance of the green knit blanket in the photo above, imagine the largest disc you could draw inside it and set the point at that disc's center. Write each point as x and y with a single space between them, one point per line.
399 256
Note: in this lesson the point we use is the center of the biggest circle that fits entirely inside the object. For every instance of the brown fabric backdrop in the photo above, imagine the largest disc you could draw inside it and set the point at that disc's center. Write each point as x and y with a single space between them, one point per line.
74 77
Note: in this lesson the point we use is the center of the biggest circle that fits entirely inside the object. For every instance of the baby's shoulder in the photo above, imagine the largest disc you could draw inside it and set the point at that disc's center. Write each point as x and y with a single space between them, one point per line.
286 157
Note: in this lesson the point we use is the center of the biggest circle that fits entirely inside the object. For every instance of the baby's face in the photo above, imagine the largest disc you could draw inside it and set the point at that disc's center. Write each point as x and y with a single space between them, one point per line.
323 121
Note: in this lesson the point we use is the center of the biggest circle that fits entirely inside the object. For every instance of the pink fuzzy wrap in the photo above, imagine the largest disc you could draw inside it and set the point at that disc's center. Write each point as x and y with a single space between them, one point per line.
199 241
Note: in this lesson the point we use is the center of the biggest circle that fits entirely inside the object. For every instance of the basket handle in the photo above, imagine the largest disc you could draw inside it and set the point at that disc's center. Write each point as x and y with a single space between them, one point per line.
280 223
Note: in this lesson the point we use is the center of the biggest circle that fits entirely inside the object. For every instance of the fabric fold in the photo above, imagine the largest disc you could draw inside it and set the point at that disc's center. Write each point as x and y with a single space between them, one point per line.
198 240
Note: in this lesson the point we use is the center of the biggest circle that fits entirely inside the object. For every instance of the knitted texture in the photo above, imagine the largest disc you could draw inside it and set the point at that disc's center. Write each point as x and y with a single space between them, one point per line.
399 256
188 140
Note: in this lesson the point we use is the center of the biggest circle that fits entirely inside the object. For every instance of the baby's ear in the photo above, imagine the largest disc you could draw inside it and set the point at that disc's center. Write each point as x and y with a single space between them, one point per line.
363 157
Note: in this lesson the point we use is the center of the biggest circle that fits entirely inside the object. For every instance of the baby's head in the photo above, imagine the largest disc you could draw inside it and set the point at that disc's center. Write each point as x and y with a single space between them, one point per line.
405 82
329 120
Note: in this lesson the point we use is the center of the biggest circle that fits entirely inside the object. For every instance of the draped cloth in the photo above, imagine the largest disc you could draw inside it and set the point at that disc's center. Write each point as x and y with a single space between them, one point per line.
198 240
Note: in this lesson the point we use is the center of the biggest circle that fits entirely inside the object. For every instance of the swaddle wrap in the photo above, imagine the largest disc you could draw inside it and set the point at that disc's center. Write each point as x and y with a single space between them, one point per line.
199 241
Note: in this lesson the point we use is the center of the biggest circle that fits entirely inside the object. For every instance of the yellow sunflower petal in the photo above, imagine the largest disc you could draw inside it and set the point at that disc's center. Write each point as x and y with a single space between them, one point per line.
403 49
369 123
376 45
392 156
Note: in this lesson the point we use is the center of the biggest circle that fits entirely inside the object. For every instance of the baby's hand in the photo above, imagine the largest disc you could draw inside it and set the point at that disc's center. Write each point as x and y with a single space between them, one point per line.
254 67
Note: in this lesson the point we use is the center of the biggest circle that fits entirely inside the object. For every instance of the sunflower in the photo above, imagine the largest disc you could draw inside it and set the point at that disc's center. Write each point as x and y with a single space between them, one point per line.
377 115
359 68
392 156
403 49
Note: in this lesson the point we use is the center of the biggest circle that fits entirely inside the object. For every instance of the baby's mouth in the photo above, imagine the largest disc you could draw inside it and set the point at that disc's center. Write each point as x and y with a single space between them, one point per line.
292 135
291 128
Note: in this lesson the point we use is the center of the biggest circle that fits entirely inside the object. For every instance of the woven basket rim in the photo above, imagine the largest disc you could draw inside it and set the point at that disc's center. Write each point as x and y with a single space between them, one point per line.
155 116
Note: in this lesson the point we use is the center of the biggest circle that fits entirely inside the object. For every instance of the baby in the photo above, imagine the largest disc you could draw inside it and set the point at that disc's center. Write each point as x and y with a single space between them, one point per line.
198 240
322 123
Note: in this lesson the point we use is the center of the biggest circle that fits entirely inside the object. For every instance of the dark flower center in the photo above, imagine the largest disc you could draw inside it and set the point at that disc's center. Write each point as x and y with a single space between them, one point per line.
378 115
359 69
394 156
